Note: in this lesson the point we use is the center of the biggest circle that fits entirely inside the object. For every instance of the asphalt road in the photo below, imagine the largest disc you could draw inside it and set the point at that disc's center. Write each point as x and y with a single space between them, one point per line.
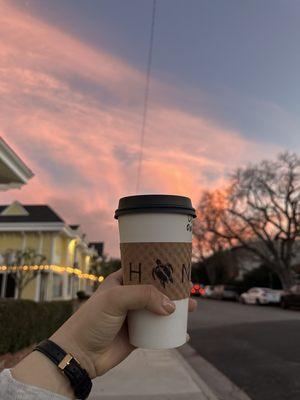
258 348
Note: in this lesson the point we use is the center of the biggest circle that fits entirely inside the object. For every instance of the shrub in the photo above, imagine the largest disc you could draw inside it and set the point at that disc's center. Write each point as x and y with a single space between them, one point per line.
81 295
24 322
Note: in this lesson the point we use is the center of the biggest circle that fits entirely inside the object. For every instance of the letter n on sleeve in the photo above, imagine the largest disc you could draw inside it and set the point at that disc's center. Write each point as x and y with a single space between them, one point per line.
185 273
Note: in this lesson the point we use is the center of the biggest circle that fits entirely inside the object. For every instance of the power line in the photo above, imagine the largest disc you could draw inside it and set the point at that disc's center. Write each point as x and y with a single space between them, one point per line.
146 98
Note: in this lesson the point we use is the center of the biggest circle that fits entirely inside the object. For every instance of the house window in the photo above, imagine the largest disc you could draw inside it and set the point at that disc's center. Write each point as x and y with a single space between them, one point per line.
89 287
7 285
75 286
11 257
2 283
10 286
57 285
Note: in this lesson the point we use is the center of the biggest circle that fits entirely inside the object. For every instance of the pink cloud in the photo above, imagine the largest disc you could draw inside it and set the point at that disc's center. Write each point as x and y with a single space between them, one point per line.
83 147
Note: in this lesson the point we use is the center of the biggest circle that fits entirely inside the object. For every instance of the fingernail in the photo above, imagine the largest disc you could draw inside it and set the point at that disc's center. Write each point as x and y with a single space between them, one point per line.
168 305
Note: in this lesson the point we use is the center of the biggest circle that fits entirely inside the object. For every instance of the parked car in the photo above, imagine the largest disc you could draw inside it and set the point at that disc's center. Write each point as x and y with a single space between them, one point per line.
208 291
260 296
230 293
225 292
291 298
197 290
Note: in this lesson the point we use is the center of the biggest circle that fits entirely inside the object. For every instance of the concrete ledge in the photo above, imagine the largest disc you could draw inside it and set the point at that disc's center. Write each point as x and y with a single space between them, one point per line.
149 375
187 396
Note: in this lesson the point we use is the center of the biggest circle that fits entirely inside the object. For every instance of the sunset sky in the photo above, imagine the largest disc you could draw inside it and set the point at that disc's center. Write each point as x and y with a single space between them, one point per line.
225 91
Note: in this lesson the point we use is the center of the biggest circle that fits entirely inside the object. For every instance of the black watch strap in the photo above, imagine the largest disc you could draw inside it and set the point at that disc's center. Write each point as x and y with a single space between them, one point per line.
78 377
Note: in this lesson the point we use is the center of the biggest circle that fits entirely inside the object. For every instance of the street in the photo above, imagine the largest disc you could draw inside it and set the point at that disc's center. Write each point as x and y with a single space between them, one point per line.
255 347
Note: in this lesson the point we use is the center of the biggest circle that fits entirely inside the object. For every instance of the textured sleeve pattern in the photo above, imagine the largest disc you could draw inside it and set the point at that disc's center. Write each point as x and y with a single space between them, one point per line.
10 389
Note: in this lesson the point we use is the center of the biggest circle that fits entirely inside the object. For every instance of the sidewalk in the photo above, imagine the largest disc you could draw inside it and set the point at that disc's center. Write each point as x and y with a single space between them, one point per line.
150 375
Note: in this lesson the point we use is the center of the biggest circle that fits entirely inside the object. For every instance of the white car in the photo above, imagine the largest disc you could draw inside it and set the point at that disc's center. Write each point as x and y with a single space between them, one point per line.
208 290
260 296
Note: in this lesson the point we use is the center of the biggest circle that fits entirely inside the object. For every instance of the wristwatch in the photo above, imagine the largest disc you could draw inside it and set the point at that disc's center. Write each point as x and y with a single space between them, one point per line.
78 376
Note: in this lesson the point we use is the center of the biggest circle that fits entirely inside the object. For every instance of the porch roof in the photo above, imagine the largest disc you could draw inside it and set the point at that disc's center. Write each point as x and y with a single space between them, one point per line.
13 171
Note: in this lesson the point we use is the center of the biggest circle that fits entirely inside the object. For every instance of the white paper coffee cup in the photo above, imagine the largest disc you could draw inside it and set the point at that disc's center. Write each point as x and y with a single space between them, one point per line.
155 239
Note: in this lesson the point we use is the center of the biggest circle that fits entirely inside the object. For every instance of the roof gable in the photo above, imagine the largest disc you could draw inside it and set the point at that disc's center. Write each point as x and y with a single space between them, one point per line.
14 209
35 213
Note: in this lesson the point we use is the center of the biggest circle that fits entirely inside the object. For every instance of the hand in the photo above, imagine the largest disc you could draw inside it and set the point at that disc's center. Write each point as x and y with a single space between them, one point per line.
97 334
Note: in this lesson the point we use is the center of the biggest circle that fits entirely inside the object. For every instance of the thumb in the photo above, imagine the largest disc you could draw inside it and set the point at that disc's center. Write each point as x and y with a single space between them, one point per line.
121 299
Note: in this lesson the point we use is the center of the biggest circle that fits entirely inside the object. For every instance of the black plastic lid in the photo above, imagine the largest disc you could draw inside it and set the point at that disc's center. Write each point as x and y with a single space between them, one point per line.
155 203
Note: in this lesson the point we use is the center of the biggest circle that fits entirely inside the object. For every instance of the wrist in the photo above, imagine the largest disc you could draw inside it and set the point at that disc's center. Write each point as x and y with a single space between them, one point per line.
71 346
38 371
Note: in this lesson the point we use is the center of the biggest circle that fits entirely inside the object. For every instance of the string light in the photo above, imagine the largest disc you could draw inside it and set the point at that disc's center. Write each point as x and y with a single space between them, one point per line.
55 268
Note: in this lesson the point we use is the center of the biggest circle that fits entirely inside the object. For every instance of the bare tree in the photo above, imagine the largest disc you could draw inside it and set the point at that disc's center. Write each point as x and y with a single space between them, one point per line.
21 258
259 211
103 266
209 223
211 248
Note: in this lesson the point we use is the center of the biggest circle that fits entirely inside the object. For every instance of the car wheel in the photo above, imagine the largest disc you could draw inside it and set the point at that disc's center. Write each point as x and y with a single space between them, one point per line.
284 305
258 302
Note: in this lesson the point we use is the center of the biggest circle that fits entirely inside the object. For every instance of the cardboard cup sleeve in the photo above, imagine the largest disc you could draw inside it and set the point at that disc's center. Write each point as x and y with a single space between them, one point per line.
164 265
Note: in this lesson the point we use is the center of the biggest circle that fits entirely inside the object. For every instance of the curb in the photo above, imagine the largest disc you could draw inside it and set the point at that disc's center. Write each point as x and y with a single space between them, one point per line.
205 389
210 379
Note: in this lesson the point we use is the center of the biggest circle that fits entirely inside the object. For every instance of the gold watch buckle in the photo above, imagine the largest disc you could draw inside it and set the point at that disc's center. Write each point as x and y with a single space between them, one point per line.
65 361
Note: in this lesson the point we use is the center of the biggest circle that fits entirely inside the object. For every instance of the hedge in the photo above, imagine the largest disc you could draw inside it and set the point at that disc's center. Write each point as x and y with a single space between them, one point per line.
24 322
